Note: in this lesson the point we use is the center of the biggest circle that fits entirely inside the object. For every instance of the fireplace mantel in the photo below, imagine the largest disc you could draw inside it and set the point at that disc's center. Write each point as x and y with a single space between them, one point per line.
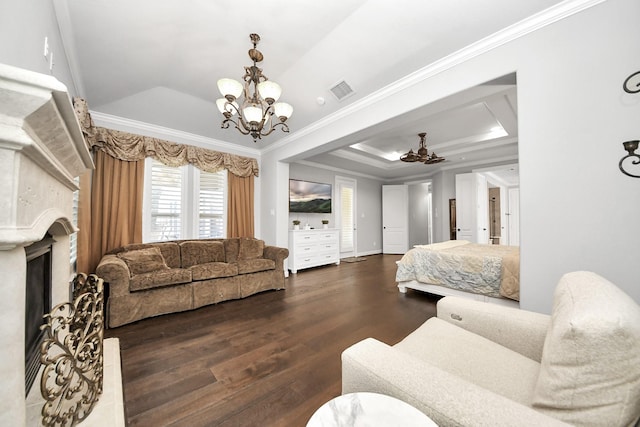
39 134
42 150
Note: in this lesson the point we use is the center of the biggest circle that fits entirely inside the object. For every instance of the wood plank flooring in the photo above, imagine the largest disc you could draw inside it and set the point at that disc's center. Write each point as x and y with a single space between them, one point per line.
267 360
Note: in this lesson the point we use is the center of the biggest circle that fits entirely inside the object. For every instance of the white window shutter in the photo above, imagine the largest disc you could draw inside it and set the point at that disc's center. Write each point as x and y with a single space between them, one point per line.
212 204
166 202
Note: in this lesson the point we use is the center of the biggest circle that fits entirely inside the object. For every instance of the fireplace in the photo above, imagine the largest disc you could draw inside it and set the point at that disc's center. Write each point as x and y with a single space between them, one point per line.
37 304
42 150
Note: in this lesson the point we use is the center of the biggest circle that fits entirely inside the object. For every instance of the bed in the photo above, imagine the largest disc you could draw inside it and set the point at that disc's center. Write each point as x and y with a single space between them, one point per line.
458 267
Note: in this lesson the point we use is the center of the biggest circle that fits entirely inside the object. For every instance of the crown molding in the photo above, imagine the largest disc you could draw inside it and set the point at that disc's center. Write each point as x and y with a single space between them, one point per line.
173 135
533 23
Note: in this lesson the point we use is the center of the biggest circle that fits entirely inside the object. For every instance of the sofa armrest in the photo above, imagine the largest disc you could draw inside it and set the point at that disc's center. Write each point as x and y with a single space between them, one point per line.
115 272
277 254
373 366
519 330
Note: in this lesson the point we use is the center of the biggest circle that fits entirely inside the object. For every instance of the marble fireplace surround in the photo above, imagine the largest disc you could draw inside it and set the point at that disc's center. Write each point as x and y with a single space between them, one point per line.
42 150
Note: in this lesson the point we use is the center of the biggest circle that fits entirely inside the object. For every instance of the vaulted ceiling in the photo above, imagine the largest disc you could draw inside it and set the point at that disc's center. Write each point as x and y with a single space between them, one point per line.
158 62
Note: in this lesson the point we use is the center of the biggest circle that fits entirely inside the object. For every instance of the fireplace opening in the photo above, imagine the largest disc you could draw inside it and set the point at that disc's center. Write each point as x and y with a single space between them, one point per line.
37 304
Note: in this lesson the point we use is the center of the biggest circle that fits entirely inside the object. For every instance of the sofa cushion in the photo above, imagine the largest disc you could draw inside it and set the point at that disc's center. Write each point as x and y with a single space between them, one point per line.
213 270
590 369
142 261
250 248
473 358
170 251
231 249
157 279
254 265
201 252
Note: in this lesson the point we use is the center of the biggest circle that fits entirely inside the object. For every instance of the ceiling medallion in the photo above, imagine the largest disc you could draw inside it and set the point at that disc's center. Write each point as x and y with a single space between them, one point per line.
422 155
258 106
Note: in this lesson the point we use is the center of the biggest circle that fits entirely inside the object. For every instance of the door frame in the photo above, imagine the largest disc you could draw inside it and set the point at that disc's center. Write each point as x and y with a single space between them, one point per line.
339 181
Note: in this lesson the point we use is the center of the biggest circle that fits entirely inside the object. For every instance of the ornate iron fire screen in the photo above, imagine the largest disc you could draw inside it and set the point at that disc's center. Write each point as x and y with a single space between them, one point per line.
72 354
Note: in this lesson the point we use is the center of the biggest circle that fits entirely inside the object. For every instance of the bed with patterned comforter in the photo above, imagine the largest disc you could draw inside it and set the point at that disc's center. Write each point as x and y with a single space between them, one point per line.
490 270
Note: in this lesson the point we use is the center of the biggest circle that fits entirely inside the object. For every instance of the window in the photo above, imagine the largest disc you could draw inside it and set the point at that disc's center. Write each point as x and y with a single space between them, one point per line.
73 238
183 203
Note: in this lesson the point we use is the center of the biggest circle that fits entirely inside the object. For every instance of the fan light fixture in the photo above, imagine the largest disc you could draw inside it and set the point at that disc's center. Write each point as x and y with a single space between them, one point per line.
422 155
255 112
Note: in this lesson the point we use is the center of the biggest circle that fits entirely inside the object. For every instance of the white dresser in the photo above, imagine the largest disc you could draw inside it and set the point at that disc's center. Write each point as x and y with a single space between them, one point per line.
311 248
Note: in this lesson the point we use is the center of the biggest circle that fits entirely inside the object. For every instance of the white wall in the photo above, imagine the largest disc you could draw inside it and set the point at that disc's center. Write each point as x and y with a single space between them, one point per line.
23 26
573 117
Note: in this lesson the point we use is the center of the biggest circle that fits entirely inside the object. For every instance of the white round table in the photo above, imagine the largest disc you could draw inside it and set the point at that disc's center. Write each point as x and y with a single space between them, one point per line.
368 409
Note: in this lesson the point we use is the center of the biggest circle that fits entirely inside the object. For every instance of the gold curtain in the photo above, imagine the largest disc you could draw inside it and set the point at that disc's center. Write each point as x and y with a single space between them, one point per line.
240 206
115 217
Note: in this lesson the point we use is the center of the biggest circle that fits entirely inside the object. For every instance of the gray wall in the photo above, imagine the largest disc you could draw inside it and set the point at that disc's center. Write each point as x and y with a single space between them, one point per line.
368 206
23 26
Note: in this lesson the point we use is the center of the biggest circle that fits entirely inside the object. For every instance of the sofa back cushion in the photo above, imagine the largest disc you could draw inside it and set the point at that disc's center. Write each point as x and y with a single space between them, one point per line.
590 368
196 252
250 248
231 249
170 251
142 261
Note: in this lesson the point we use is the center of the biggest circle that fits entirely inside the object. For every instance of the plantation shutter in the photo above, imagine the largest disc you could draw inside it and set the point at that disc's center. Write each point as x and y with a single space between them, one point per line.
346 218
211 205
166 202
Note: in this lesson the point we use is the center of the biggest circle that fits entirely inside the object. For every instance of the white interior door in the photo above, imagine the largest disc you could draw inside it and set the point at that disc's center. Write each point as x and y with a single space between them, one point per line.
395 219
346 216
482 208
465 229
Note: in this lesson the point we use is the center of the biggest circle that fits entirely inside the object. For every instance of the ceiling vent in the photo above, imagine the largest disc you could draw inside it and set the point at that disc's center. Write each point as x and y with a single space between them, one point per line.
342 90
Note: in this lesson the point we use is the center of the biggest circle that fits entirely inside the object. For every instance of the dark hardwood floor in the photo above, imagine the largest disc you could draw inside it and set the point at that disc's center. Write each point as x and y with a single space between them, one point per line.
267 360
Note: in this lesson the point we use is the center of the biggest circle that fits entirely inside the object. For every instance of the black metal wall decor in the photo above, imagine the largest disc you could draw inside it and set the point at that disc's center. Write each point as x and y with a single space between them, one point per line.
631 85
631 147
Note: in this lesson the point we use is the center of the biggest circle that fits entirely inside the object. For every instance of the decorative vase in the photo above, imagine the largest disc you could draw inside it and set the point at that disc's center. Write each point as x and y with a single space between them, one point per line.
325 225
296 227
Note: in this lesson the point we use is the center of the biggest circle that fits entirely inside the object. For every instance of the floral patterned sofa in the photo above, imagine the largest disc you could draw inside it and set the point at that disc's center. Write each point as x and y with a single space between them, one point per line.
150 279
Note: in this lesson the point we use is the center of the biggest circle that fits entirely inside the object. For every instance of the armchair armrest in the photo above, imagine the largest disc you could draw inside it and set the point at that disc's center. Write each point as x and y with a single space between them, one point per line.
115 272
519 330
373 366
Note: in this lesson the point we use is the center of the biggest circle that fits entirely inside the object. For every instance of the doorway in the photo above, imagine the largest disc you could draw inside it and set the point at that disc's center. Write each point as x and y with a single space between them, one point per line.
346 216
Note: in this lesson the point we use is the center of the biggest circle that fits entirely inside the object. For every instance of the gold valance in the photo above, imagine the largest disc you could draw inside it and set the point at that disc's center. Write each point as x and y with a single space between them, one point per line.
131 147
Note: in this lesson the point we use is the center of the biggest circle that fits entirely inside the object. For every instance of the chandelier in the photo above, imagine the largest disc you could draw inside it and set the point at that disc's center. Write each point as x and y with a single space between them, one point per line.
422 155
256 110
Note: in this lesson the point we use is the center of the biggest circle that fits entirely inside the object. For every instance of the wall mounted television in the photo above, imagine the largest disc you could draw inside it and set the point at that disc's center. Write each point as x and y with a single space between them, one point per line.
309 197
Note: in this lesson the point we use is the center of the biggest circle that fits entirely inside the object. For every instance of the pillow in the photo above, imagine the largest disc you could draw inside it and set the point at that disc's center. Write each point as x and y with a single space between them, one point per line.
142 261
590 367
250 248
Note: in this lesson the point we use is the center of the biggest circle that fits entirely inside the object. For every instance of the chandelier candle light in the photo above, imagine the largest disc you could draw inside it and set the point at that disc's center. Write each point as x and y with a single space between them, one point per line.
422 155
259 105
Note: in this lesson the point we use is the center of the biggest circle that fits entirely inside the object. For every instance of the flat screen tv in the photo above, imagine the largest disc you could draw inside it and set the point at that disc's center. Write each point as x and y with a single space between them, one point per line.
309 197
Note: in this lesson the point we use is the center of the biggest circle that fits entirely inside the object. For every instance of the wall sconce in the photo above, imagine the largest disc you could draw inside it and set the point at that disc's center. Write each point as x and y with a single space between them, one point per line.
631 147
631 85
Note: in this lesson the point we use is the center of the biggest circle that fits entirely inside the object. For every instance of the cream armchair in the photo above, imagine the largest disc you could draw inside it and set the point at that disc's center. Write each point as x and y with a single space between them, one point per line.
479 364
